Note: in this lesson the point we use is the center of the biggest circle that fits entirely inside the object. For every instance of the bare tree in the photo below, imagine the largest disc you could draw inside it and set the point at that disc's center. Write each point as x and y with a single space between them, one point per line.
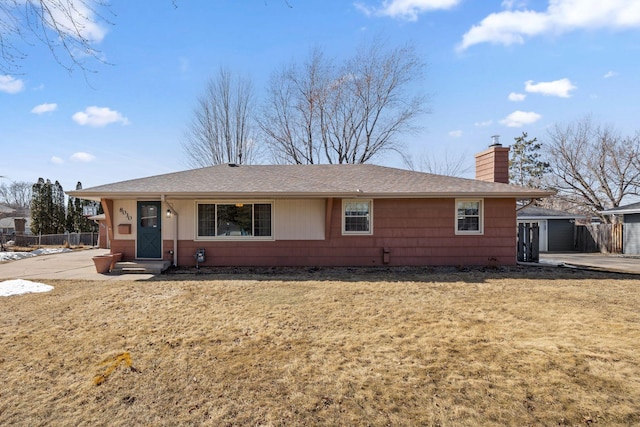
16 195
324 113
593 167
379 106
69 29
448 164
292 114
222 127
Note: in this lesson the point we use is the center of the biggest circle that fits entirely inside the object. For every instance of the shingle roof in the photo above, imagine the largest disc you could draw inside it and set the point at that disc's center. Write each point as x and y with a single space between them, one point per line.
538 212
626 209
6 209
305 181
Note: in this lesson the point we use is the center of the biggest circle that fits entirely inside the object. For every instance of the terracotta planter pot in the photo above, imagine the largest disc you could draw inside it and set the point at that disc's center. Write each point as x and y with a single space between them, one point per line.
103 263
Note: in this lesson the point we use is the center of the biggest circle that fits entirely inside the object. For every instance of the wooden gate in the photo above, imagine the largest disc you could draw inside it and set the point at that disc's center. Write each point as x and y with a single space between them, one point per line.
528 242
605 238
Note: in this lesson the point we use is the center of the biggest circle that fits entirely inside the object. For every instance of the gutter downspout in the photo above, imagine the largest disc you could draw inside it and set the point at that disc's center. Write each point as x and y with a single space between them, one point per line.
175 230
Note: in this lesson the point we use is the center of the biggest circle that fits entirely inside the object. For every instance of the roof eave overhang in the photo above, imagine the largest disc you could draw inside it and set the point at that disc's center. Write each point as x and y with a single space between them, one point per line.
621 212
279 195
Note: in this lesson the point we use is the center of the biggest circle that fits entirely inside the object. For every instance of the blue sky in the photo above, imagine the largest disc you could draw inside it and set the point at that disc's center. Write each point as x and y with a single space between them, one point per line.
494 68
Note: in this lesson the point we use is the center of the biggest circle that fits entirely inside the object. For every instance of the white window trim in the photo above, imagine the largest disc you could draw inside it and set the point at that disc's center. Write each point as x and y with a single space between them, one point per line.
479 232
357 233
234 238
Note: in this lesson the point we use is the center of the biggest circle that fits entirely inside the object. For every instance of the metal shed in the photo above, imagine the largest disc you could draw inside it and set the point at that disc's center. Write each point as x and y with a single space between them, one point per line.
557 228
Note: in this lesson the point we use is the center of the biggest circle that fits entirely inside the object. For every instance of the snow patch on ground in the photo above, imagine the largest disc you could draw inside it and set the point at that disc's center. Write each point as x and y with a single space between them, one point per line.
21 286
13 256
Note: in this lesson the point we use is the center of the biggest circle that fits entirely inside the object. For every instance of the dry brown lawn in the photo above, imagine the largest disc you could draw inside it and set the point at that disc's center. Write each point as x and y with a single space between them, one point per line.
351 347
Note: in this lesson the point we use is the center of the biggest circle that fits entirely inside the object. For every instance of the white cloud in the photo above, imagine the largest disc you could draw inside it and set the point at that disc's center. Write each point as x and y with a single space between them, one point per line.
517 97
363 8
514 26
455 133
44 108
559 88
484 124
520 118
513 4
9 84
57 160
406 9
77 16
610 74
82 157
98 117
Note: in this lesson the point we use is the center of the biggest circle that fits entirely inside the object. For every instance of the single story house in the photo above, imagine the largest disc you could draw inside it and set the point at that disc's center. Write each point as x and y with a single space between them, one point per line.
6 211
316 215
14 224
557 229
631 227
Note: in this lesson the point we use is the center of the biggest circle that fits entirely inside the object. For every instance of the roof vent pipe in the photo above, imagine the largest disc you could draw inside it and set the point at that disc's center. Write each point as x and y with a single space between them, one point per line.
495 141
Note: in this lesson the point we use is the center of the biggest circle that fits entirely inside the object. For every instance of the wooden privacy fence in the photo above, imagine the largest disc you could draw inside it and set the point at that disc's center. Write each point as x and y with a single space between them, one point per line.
606 238
528 242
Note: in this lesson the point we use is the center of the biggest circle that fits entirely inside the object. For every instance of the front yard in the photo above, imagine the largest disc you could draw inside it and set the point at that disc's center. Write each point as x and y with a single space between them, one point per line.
521 347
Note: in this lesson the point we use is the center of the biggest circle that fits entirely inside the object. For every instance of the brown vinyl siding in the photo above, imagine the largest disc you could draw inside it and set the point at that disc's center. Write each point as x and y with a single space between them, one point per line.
414 231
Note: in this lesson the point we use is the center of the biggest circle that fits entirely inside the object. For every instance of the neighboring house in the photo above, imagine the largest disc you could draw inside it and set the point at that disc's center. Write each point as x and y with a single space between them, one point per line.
6 211
557 229
316 215
8 225
631 227
10 216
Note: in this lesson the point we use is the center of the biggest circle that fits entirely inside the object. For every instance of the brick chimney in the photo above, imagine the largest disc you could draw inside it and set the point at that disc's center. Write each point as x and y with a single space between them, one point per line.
493 164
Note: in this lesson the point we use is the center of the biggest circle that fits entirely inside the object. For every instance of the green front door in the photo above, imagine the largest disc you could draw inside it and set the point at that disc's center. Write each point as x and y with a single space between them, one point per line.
149 233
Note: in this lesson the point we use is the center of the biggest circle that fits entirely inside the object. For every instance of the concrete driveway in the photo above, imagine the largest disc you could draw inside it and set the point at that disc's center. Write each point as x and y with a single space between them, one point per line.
596 261
74 265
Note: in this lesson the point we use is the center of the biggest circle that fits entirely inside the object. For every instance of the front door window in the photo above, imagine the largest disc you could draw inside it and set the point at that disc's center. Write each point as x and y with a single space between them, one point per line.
149 216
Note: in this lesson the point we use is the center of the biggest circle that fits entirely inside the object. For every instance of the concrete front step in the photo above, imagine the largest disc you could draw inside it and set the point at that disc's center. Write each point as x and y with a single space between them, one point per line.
140 267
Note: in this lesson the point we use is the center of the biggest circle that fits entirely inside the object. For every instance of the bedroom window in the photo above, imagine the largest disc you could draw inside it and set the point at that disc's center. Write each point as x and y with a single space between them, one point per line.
234 220
357 217
469 216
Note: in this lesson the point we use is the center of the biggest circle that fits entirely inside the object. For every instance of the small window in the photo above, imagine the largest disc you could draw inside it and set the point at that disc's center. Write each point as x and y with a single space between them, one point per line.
234 220
357 217
469 217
